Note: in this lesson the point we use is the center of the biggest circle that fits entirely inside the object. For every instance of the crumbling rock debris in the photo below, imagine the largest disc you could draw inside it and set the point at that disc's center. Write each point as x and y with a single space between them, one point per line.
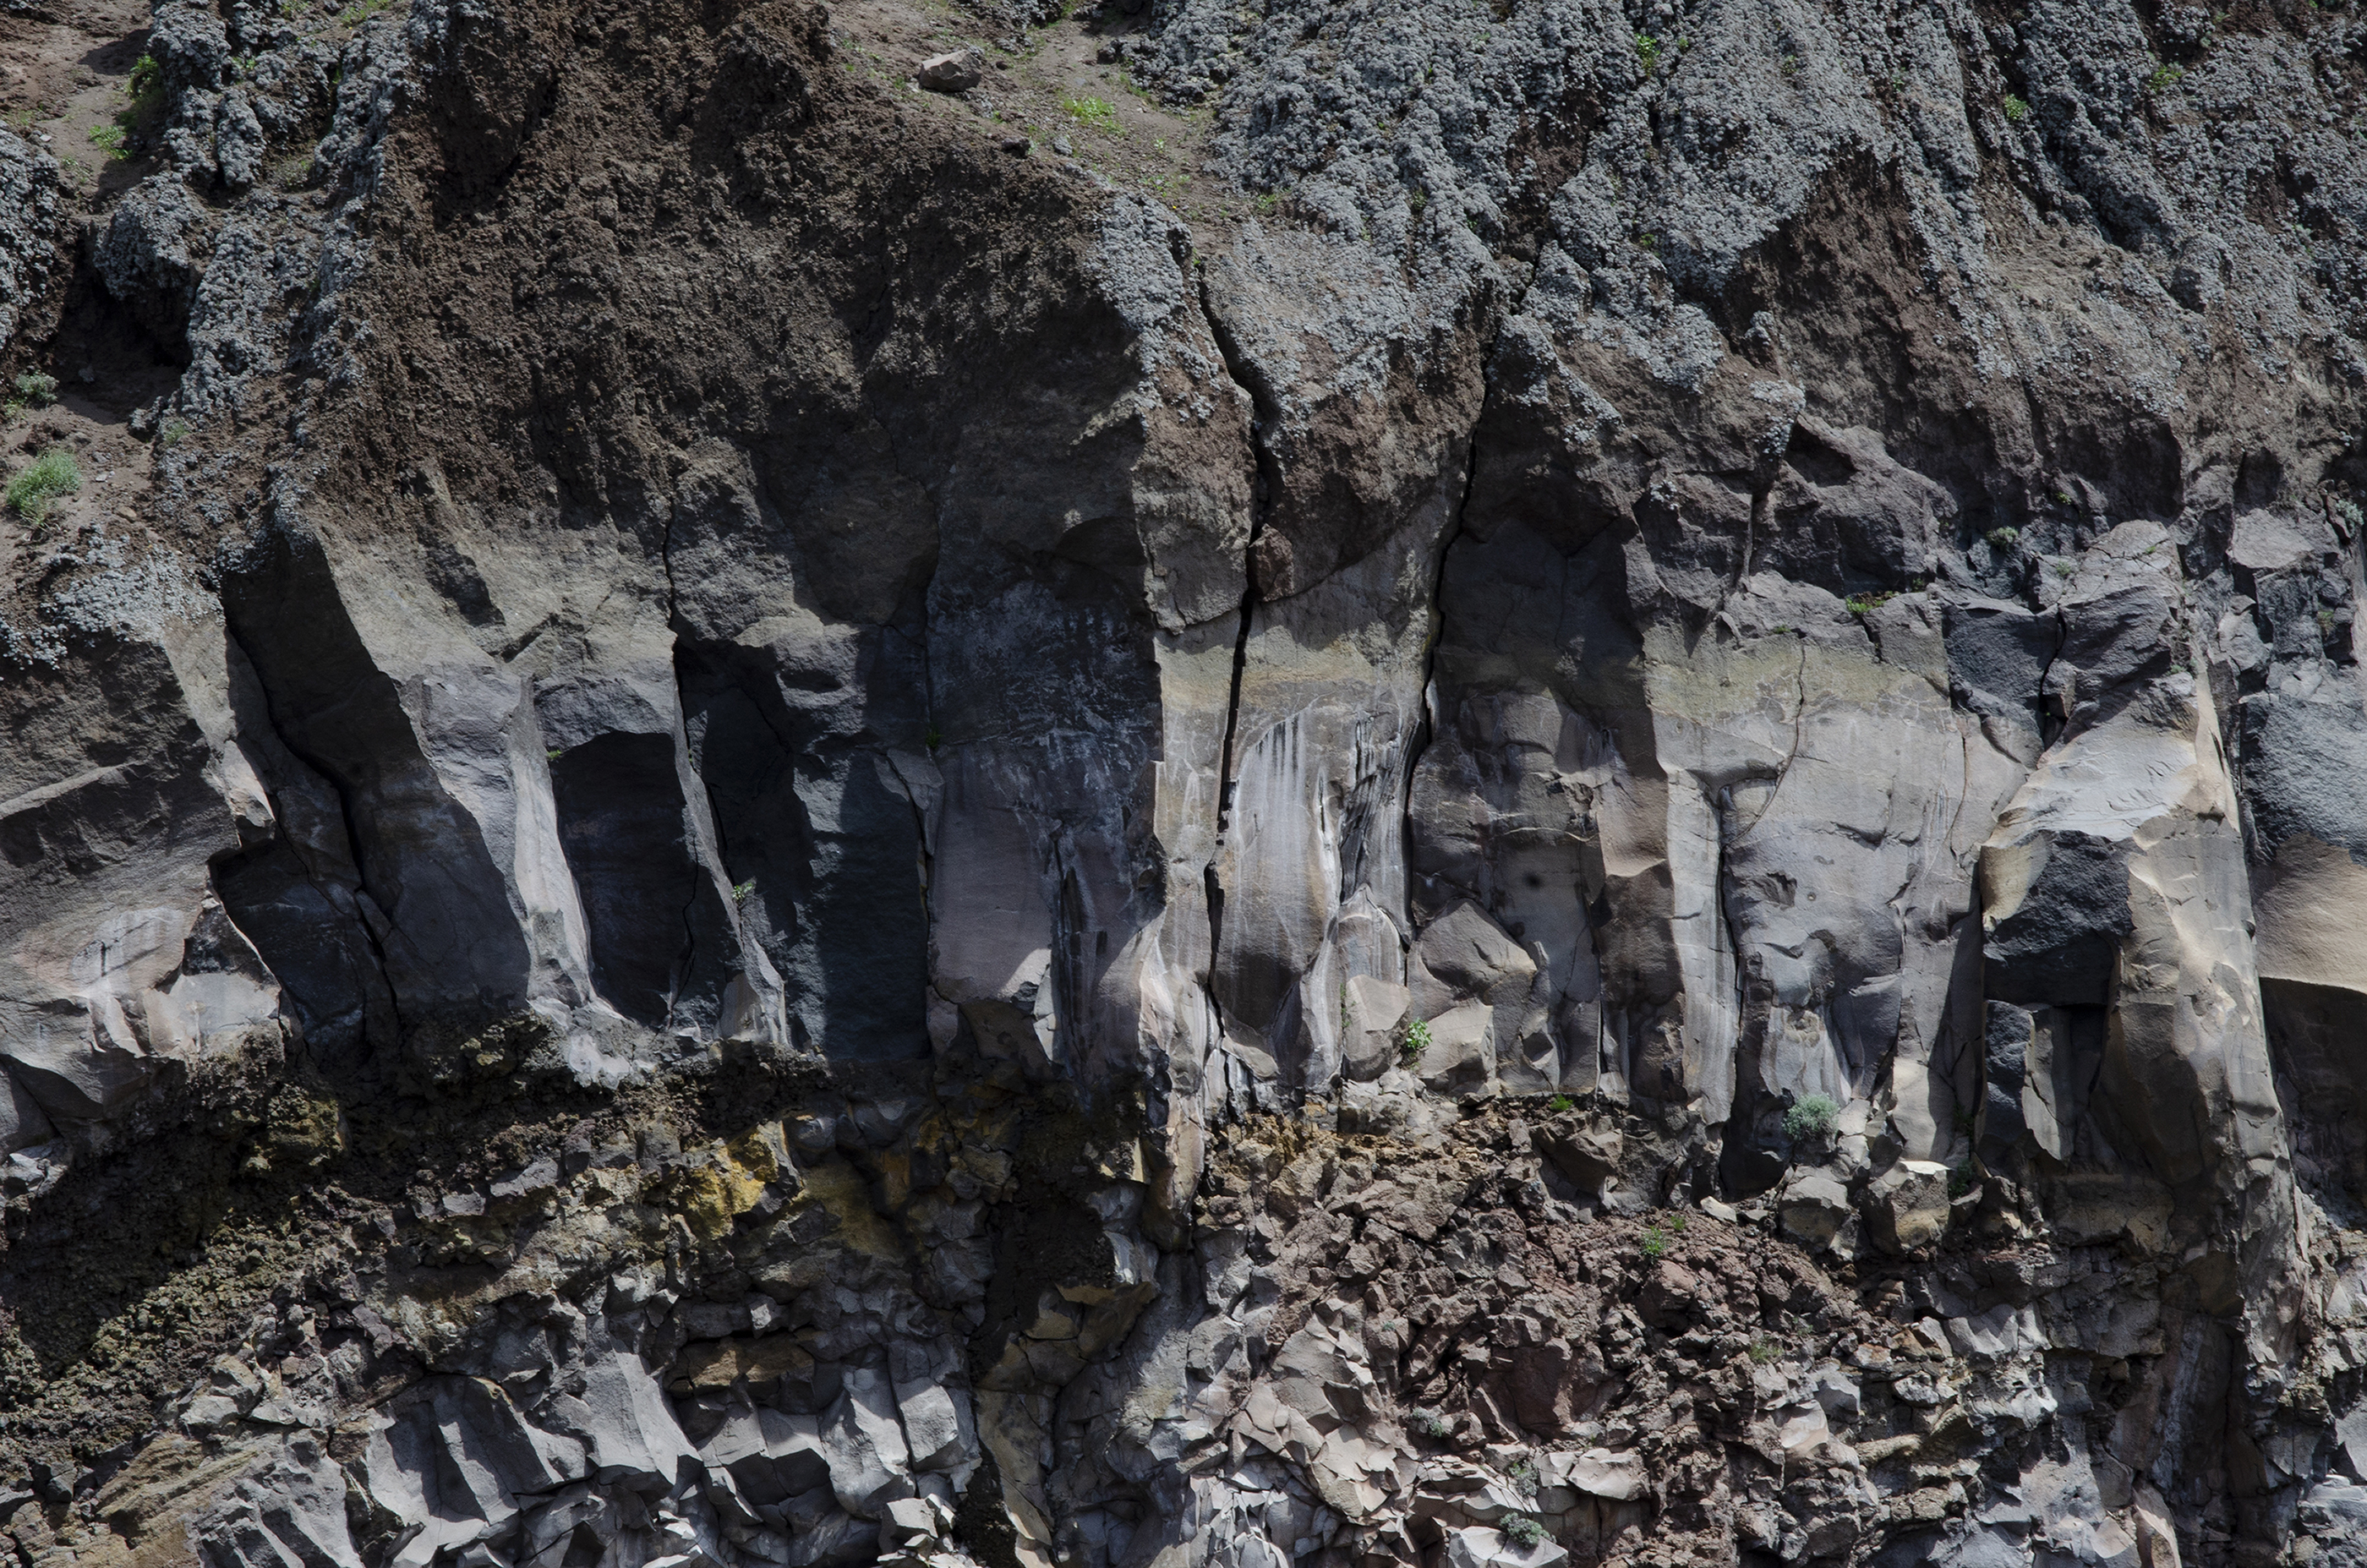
1634 836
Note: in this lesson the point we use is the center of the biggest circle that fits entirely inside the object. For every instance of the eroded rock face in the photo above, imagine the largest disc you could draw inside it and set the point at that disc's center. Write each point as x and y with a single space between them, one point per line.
1610 812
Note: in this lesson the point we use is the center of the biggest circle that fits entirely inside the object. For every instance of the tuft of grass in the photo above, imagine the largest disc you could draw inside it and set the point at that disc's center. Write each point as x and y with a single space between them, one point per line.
34 390
37 486
1866 604
1098 114
145 89
1811 1117
2016 109
1559 1102
1417 1041
175 431
1761 1351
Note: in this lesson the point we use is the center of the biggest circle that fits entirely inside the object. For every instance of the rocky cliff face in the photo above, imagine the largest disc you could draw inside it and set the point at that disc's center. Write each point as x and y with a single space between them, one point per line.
1406 783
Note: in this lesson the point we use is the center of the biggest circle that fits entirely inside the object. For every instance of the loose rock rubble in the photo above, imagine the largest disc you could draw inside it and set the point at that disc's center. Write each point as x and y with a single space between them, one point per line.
1622 827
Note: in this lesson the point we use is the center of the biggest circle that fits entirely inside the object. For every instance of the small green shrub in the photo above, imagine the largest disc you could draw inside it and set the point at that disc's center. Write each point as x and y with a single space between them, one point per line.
1811 1117
1648 51
2163 78
2326 620
147 77
1866 604
743 891
2016 109
1960 1181
35 390
1099 114
1431 1424
1522 1530
2004 538
1655 1243
1559 1103
1416 1041
1523 1473
39 483
1677 1223
2066 569
1763 1351
175 431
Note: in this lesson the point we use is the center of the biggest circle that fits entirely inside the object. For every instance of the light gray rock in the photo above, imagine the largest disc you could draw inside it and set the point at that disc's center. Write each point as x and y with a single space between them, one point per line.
1461 1055
956 71
1813 1207
1907 1207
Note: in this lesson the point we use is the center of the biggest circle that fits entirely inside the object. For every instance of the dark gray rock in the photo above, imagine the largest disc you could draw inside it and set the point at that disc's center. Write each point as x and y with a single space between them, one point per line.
31 212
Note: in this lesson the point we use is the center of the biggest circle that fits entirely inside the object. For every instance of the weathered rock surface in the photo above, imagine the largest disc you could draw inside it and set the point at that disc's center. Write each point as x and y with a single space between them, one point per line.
1606 802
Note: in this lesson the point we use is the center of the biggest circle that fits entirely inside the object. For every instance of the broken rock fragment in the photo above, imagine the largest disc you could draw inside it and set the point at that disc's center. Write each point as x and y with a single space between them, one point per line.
957 70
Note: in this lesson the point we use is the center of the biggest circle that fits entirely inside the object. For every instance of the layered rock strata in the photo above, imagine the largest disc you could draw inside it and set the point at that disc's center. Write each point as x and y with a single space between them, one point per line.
1610 812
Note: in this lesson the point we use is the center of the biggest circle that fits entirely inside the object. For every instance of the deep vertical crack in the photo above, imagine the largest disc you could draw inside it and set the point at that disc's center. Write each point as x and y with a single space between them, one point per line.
1453 531
2045 674
1265 414
347 816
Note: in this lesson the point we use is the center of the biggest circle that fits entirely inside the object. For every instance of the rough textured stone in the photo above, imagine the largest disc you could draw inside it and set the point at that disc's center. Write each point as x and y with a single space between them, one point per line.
725 852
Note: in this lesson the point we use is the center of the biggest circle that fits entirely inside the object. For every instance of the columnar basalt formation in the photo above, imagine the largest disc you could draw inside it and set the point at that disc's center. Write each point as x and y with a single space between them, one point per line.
1503 784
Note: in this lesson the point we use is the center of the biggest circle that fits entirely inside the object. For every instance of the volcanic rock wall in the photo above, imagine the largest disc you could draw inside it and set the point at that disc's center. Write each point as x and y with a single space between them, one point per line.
1590 793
